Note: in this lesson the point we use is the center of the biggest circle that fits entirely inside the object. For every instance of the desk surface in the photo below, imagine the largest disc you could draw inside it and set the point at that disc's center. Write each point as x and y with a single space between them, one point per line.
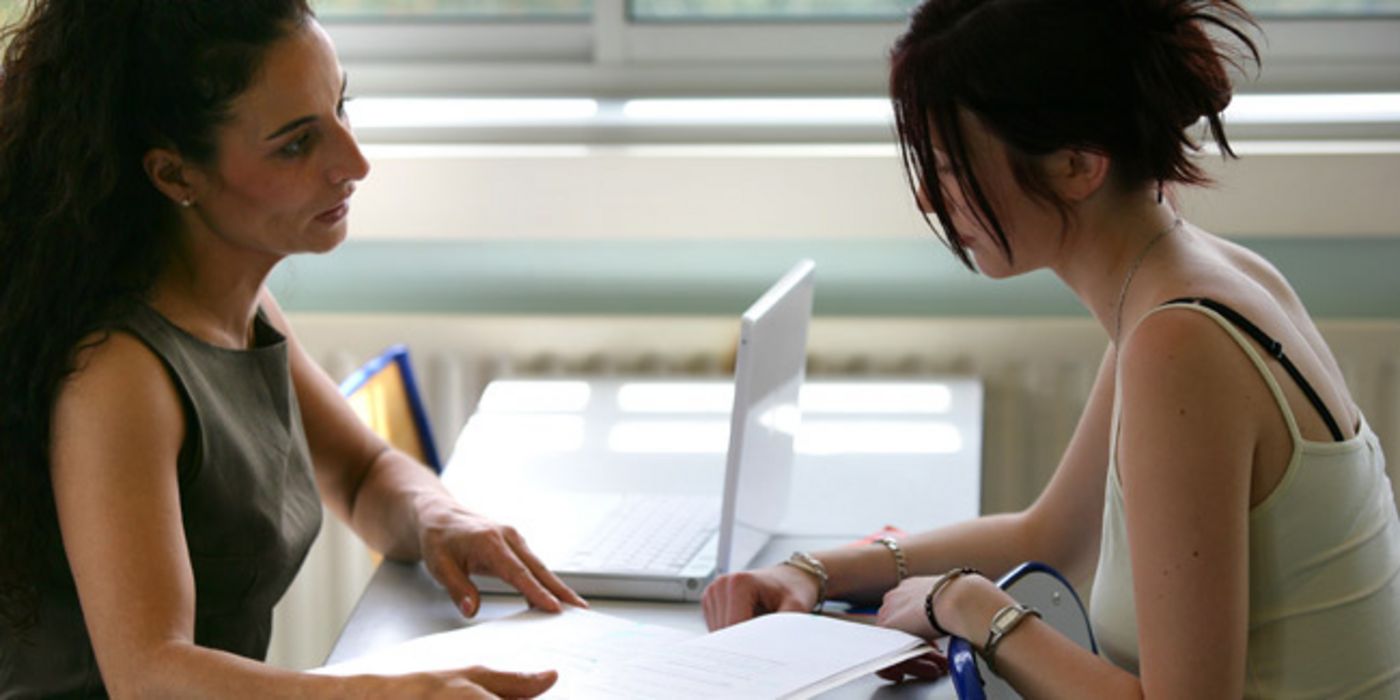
913 447
868 453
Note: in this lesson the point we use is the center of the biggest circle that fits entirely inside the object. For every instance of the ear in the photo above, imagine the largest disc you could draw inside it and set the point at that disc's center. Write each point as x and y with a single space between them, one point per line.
170 174
1077 175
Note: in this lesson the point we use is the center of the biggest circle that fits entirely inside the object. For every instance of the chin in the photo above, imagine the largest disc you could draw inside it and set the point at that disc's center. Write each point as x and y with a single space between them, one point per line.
995 268
328 239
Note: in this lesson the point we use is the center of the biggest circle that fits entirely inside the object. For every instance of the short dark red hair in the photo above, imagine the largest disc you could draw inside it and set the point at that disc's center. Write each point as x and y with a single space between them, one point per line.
1124 78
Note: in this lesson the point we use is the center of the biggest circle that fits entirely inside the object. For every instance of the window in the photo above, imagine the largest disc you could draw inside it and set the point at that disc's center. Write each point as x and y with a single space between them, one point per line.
465 9
611 52
748 10
787 10
1323 8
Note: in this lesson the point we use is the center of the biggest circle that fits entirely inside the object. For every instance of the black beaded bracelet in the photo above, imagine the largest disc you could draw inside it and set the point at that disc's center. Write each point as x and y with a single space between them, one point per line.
938 587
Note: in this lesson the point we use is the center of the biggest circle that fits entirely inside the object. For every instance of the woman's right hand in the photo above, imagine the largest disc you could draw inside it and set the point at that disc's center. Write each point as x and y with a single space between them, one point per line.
473 682
733 598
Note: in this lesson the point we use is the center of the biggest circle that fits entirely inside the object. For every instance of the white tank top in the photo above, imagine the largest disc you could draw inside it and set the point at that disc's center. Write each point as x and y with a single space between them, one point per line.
1324 568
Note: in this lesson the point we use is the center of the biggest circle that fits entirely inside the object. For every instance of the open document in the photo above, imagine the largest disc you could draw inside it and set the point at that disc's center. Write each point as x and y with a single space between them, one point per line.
783 655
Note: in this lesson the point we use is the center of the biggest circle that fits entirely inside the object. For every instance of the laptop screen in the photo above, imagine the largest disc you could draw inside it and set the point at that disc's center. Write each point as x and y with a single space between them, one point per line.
768 373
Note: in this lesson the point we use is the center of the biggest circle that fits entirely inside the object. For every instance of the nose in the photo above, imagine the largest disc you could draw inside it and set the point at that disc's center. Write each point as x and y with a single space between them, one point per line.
349 164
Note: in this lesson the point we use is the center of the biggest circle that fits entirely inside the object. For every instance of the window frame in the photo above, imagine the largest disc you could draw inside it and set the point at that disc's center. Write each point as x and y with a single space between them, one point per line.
612 56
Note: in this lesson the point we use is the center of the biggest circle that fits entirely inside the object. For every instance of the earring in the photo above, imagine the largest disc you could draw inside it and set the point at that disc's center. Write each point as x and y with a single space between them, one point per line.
186 203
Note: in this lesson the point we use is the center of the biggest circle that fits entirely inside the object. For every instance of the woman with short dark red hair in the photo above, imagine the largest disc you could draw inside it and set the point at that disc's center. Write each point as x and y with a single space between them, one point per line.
1222 491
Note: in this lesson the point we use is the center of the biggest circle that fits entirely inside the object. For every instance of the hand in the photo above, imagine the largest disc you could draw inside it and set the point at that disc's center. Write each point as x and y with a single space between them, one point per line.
736 597
456 544
474 682
903 607
965 605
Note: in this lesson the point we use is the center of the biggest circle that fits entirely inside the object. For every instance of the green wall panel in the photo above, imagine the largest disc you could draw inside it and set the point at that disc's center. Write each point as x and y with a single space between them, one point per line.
867 277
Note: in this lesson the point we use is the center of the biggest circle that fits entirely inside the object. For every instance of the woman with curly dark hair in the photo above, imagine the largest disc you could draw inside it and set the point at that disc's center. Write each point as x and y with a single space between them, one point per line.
165 443
1222 490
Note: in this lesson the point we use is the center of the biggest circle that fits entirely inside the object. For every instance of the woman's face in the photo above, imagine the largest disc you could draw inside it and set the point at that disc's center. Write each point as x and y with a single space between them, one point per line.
1027 222
287 162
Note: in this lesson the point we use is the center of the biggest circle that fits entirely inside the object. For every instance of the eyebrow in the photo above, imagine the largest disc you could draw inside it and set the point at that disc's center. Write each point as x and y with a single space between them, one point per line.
295 123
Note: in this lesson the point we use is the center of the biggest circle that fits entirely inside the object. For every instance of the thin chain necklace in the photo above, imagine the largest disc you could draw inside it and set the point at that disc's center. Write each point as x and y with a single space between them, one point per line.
1128 279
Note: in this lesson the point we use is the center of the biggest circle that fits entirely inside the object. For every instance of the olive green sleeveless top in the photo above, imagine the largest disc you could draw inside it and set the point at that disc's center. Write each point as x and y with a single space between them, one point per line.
249 506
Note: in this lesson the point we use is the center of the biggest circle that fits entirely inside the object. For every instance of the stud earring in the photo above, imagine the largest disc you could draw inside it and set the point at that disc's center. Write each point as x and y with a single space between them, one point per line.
186 203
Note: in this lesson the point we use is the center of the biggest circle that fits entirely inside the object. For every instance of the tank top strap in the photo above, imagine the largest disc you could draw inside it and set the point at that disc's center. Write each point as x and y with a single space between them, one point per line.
1275 349
1249 350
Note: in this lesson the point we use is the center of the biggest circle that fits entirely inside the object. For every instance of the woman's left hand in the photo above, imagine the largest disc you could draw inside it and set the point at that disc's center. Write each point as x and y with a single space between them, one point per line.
903 607
456 543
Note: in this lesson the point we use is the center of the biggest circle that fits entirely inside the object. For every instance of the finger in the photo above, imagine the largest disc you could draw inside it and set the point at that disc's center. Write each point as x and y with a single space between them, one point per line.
553 583
740 602
514 572
512 684
707 605
458 585
714 600
724 600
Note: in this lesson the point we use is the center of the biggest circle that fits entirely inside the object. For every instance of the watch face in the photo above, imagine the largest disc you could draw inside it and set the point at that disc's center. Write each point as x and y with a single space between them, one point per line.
1005 616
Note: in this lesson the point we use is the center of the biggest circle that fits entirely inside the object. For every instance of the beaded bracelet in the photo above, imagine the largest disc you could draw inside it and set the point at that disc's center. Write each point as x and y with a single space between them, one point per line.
938 587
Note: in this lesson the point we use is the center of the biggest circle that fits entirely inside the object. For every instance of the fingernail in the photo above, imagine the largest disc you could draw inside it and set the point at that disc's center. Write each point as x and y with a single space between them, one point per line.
467 606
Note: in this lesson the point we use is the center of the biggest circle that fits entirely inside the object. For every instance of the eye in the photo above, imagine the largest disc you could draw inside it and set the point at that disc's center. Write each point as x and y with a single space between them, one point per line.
297 146
340 106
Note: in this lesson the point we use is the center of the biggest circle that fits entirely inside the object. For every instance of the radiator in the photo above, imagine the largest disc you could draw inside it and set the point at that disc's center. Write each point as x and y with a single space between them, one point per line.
1033 395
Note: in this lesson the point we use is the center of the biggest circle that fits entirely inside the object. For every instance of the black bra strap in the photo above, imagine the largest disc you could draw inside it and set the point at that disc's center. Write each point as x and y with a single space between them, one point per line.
1275 349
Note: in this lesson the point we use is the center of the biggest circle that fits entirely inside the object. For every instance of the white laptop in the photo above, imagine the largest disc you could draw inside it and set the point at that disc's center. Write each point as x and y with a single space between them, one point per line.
668 546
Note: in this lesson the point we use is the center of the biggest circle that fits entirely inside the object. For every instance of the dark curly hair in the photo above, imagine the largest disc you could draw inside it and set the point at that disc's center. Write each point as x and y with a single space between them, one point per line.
86 89
1125 78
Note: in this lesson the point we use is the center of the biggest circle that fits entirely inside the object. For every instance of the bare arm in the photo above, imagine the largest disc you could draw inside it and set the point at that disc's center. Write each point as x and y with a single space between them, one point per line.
1193 407
1061 529
118 426
398 505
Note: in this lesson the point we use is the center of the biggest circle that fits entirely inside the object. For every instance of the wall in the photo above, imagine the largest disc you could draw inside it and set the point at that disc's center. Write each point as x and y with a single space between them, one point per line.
698 229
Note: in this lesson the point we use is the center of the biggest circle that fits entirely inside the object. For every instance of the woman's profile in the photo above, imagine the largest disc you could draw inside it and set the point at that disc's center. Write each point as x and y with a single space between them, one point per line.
165 442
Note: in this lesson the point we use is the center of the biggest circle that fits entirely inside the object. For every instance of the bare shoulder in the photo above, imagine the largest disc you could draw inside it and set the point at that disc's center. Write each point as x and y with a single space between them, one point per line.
1173 339
116 360
119 395
1185 374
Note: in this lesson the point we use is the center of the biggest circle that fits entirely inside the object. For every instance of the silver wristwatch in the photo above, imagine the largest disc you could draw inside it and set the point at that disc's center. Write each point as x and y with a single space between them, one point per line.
1003 622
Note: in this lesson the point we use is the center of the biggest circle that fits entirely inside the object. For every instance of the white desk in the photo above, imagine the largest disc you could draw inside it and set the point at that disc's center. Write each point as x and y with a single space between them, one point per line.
869 453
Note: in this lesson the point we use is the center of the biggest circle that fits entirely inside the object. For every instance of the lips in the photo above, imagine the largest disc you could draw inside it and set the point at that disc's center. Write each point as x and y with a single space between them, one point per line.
335 213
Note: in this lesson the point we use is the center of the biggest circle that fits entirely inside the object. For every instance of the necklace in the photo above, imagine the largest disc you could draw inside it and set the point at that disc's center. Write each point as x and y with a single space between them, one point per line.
1128 279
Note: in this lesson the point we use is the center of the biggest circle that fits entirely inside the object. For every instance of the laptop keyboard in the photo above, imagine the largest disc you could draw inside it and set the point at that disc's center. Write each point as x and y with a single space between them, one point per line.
648 533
